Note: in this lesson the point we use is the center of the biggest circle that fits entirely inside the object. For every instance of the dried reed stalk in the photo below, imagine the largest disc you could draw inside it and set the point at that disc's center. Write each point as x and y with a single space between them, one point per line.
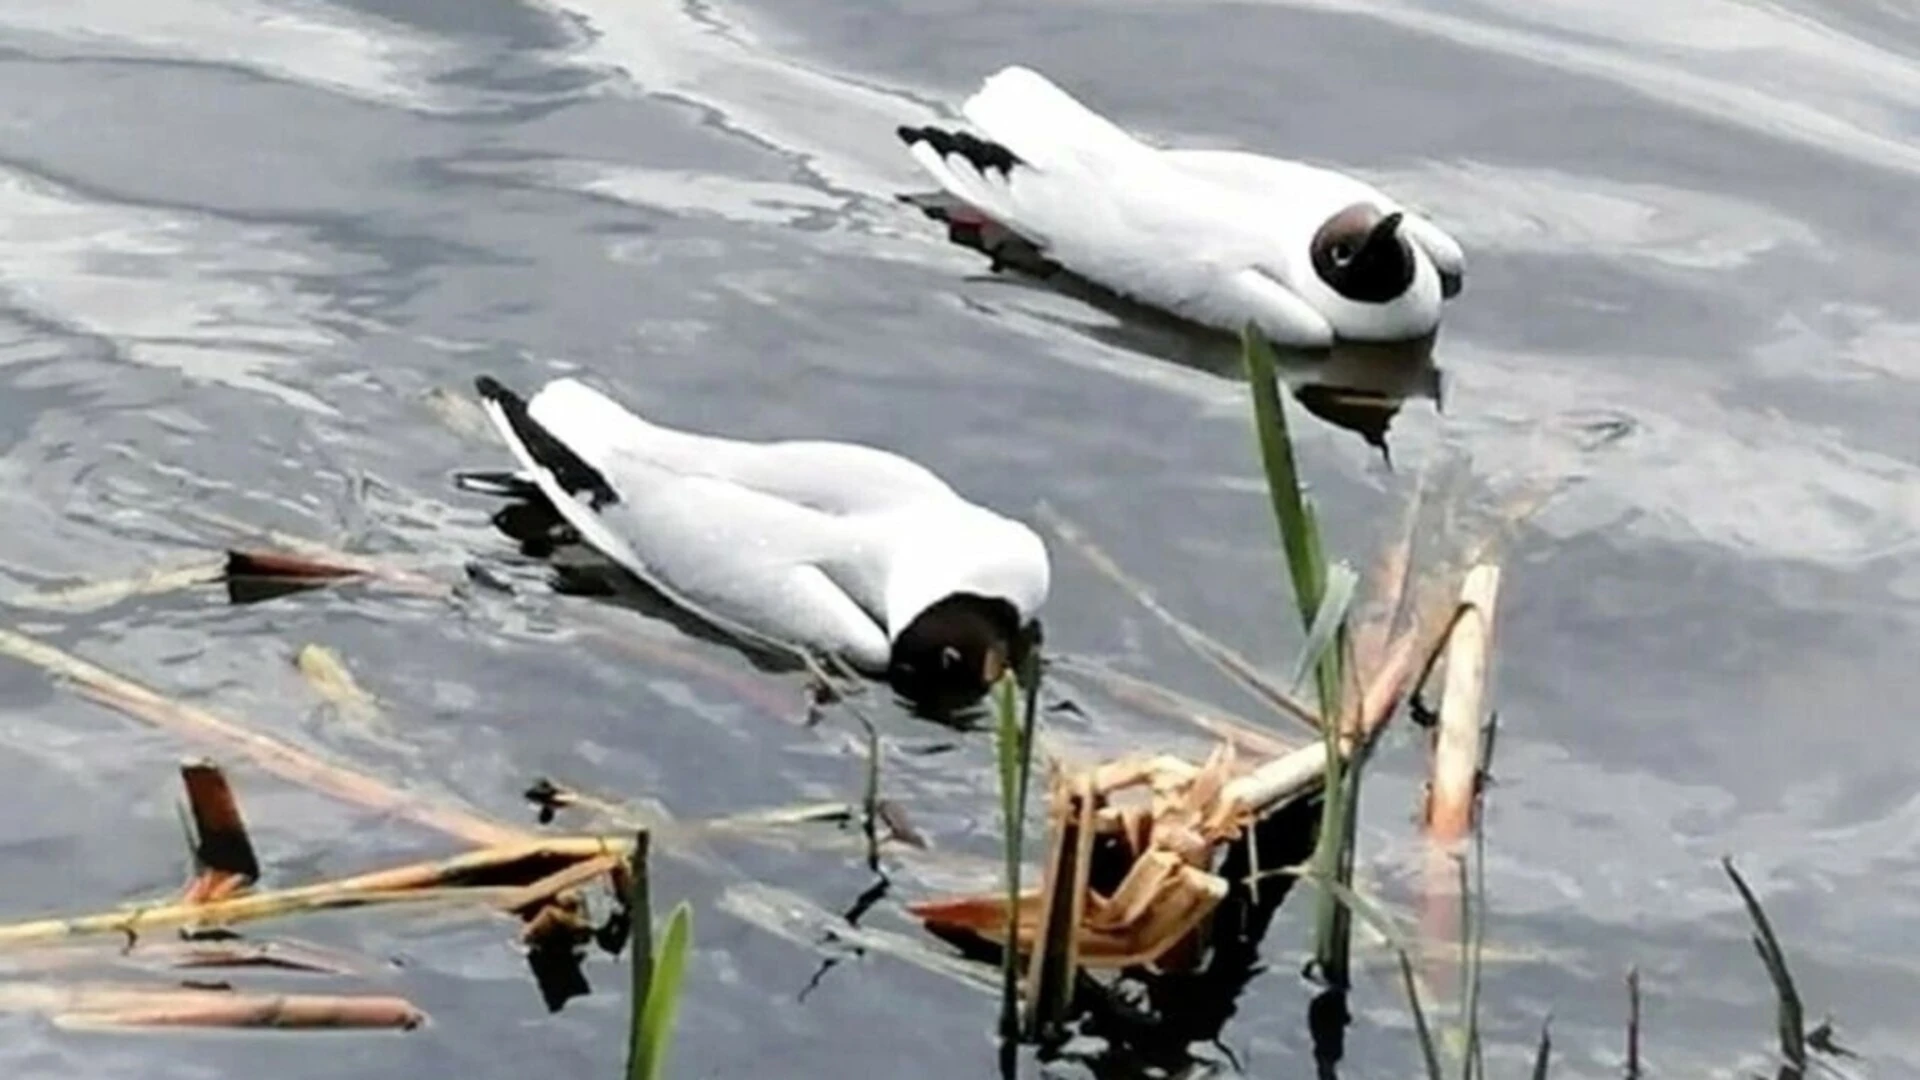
1453 791
1169 895
223 857
227 1009
1451 798
88 596
279 758
445 880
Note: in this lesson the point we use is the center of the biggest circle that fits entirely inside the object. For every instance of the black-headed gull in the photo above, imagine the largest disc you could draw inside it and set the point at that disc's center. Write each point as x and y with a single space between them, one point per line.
1219 237
828 547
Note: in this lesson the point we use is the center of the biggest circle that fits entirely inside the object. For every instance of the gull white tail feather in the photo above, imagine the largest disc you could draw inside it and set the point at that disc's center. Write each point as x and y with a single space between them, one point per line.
1309 255
595 425
1025 112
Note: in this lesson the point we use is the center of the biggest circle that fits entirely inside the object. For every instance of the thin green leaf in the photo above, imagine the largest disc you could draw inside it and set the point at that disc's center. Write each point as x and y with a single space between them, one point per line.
663 996
640 915
1297 533
1328 671
1029 676
1007 743
1791 1018
1329 925
1328 622
1334 856
1359 905
1428 1051
1014 743
1474 913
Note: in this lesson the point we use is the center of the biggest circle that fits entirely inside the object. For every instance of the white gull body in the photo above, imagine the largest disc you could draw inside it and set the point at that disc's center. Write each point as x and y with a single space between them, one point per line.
831 547
1222 238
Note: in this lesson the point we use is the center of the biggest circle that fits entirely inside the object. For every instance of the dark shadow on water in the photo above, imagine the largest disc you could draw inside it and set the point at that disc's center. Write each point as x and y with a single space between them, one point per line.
1355 386
557 973
1149 1024
1160 1020
576 570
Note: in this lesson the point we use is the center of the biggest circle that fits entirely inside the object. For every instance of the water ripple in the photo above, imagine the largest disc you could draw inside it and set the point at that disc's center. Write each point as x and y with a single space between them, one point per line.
213 300
301 41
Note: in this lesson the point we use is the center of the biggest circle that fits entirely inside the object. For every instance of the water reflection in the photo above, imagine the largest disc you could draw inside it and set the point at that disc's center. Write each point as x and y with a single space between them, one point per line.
1154 1023
1172 1023
1357 386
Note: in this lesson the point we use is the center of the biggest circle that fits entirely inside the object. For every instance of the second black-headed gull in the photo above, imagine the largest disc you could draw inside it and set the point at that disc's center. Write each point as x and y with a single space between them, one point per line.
825 547
1223 238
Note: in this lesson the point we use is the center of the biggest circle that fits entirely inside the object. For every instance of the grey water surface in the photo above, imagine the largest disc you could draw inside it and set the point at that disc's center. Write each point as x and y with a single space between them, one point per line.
248 248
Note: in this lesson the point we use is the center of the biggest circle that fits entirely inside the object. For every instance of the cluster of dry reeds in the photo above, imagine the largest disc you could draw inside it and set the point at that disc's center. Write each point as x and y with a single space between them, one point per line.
1140 857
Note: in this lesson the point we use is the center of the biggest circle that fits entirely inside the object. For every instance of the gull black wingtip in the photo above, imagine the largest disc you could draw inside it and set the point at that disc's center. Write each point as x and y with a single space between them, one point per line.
983 154
495 482
573 473
493 389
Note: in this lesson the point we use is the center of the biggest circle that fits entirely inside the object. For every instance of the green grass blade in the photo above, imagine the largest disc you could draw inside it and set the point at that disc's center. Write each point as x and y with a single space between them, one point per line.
1328 671
640 913
1297 534
1473 943
1326 862
663 997
1355 903
1333 857
1328 623
1029 678
1790 1017
1314 584
1014 746
1007 743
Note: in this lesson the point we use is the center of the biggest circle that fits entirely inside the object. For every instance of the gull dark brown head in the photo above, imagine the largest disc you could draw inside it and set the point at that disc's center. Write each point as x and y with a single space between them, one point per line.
953 652
1361 255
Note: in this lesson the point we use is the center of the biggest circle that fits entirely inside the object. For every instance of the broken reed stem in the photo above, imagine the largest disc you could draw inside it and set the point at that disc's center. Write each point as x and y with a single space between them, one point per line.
288 762
317 551
252 908
524 901
226 1009
1451 798
88 596
1054 962
1299 771
436 880
223 857
1453 792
